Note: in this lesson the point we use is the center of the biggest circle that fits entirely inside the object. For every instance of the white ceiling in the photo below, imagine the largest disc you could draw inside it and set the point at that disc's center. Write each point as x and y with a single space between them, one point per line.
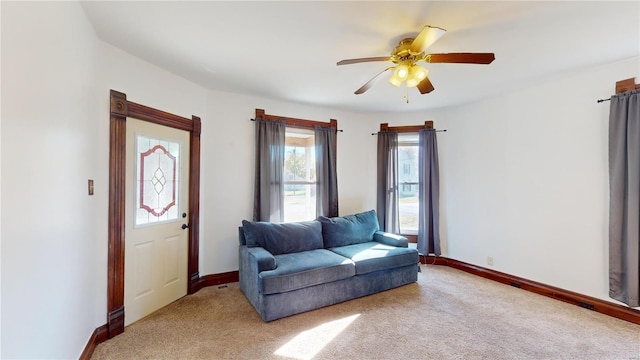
288 50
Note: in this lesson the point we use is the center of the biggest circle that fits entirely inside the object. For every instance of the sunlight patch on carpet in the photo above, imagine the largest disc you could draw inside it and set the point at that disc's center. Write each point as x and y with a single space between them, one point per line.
308 343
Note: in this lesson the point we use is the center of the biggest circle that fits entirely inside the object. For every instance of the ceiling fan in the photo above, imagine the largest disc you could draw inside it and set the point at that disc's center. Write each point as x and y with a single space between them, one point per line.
411 50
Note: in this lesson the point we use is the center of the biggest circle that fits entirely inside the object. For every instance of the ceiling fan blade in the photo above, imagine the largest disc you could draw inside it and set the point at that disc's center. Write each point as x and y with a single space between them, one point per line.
370 83
360 60
461 58
425 86
427 36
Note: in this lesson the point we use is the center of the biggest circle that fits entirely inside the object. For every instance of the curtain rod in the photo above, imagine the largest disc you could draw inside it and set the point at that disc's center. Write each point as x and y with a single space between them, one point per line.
444 130
603 100
306 126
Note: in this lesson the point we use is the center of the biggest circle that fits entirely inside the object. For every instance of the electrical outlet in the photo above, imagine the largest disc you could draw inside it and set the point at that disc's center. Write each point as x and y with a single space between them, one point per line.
489 260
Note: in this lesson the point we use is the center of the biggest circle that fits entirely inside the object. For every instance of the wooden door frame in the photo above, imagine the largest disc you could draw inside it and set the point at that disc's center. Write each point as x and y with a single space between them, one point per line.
121 109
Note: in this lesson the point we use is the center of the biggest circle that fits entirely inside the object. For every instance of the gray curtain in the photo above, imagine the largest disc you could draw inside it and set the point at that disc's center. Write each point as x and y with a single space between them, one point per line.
624 198
269 188
326 173
429 194
387 198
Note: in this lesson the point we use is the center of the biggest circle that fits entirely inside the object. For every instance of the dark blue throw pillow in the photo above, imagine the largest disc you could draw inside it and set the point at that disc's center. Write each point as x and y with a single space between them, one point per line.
350 229
283 238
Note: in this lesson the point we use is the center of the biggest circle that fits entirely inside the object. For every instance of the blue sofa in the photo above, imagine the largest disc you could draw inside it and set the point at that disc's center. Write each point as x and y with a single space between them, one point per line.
289 268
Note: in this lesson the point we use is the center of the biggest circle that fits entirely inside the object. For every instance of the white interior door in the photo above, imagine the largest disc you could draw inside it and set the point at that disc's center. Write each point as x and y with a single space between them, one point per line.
156 208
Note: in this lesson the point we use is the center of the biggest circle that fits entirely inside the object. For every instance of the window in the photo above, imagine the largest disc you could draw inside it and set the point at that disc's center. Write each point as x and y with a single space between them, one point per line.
296 176
408 182
299 175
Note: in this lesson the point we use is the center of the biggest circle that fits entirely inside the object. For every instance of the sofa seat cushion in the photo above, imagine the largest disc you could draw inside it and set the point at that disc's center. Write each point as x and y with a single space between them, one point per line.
303 269
372 256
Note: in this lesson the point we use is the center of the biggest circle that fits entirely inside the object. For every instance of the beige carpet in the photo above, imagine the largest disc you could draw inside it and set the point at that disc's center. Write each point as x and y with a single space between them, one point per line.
447 314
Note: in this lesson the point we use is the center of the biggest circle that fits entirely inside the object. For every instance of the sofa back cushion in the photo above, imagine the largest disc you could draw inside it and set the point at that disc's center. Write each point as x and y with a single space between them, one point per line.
350 229
283 238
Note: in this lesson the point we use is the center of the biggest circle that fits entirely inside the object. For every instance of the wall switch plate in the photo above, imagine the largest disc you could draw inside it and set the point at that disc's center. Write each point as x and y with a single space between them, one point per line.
489 260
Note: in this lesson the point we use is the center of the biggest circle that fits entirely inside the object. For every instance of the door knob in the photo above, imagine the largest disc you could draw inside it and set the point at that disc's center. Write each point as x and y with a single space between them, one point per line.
184 226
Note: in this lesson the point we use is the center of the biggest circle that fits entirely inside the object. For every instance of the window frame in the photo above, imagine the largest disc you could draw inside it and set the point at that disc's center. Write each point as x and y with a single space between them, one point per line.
404 185
295 122
299 124
384 127
311 183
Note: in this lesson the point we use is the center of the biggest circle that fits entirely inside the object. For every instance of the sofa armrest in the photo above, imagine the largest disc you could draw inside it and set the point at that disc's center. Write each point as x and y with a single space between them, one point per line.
253 260
262 257
390 239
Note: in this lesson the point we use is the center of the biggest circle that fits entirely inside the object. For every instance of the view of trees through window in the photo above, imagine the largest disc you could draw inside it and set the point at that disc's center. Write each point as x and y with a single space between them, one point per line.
408 182
299 175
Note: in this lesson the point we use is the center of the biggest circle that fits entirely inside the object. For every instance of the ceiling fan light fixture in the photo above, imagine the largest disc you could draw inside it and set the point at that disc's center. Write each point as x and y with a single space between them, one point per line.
402 72
412 82
394 80
411 50
416 74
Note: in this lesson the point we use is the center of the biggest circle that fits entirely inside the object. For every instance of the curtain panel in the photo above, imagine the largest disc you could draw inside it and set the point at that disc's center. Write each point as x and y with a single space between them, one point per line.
387 189
429 194
624 198
326 172
268 202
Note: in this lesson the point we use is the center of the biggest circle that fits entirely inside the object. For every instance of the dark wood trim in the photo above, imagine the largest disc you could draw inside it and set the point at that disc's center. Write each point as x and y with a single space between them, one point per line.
214 279
384 127
433 260
115 321
120 110
194 205
411 238
219 279
626 85
151 115
260 114
117 181
99 335
588 302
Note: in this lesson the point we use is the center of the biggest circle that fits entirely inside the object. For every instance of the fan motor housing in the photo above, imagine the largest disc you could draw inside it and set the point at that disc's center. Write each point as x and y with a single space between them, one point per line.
402 53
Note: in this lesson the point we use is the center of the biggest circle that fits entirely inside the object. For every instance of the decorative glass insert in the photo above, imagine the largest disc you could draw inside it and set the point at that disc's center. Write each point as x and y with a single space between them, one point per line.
157 180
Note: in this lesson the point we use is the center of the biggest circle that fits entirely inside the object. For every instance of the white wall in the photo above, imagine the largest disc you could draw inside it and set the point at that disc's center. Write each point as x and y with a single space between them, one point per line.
0 203
227 168
524 175
55 136
526 180
227 147
49 147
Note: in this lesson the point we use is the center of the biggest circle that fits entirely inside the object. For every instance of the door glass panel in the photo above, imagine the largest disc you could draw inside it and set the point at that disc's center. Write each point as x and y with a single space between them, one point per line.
157 180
